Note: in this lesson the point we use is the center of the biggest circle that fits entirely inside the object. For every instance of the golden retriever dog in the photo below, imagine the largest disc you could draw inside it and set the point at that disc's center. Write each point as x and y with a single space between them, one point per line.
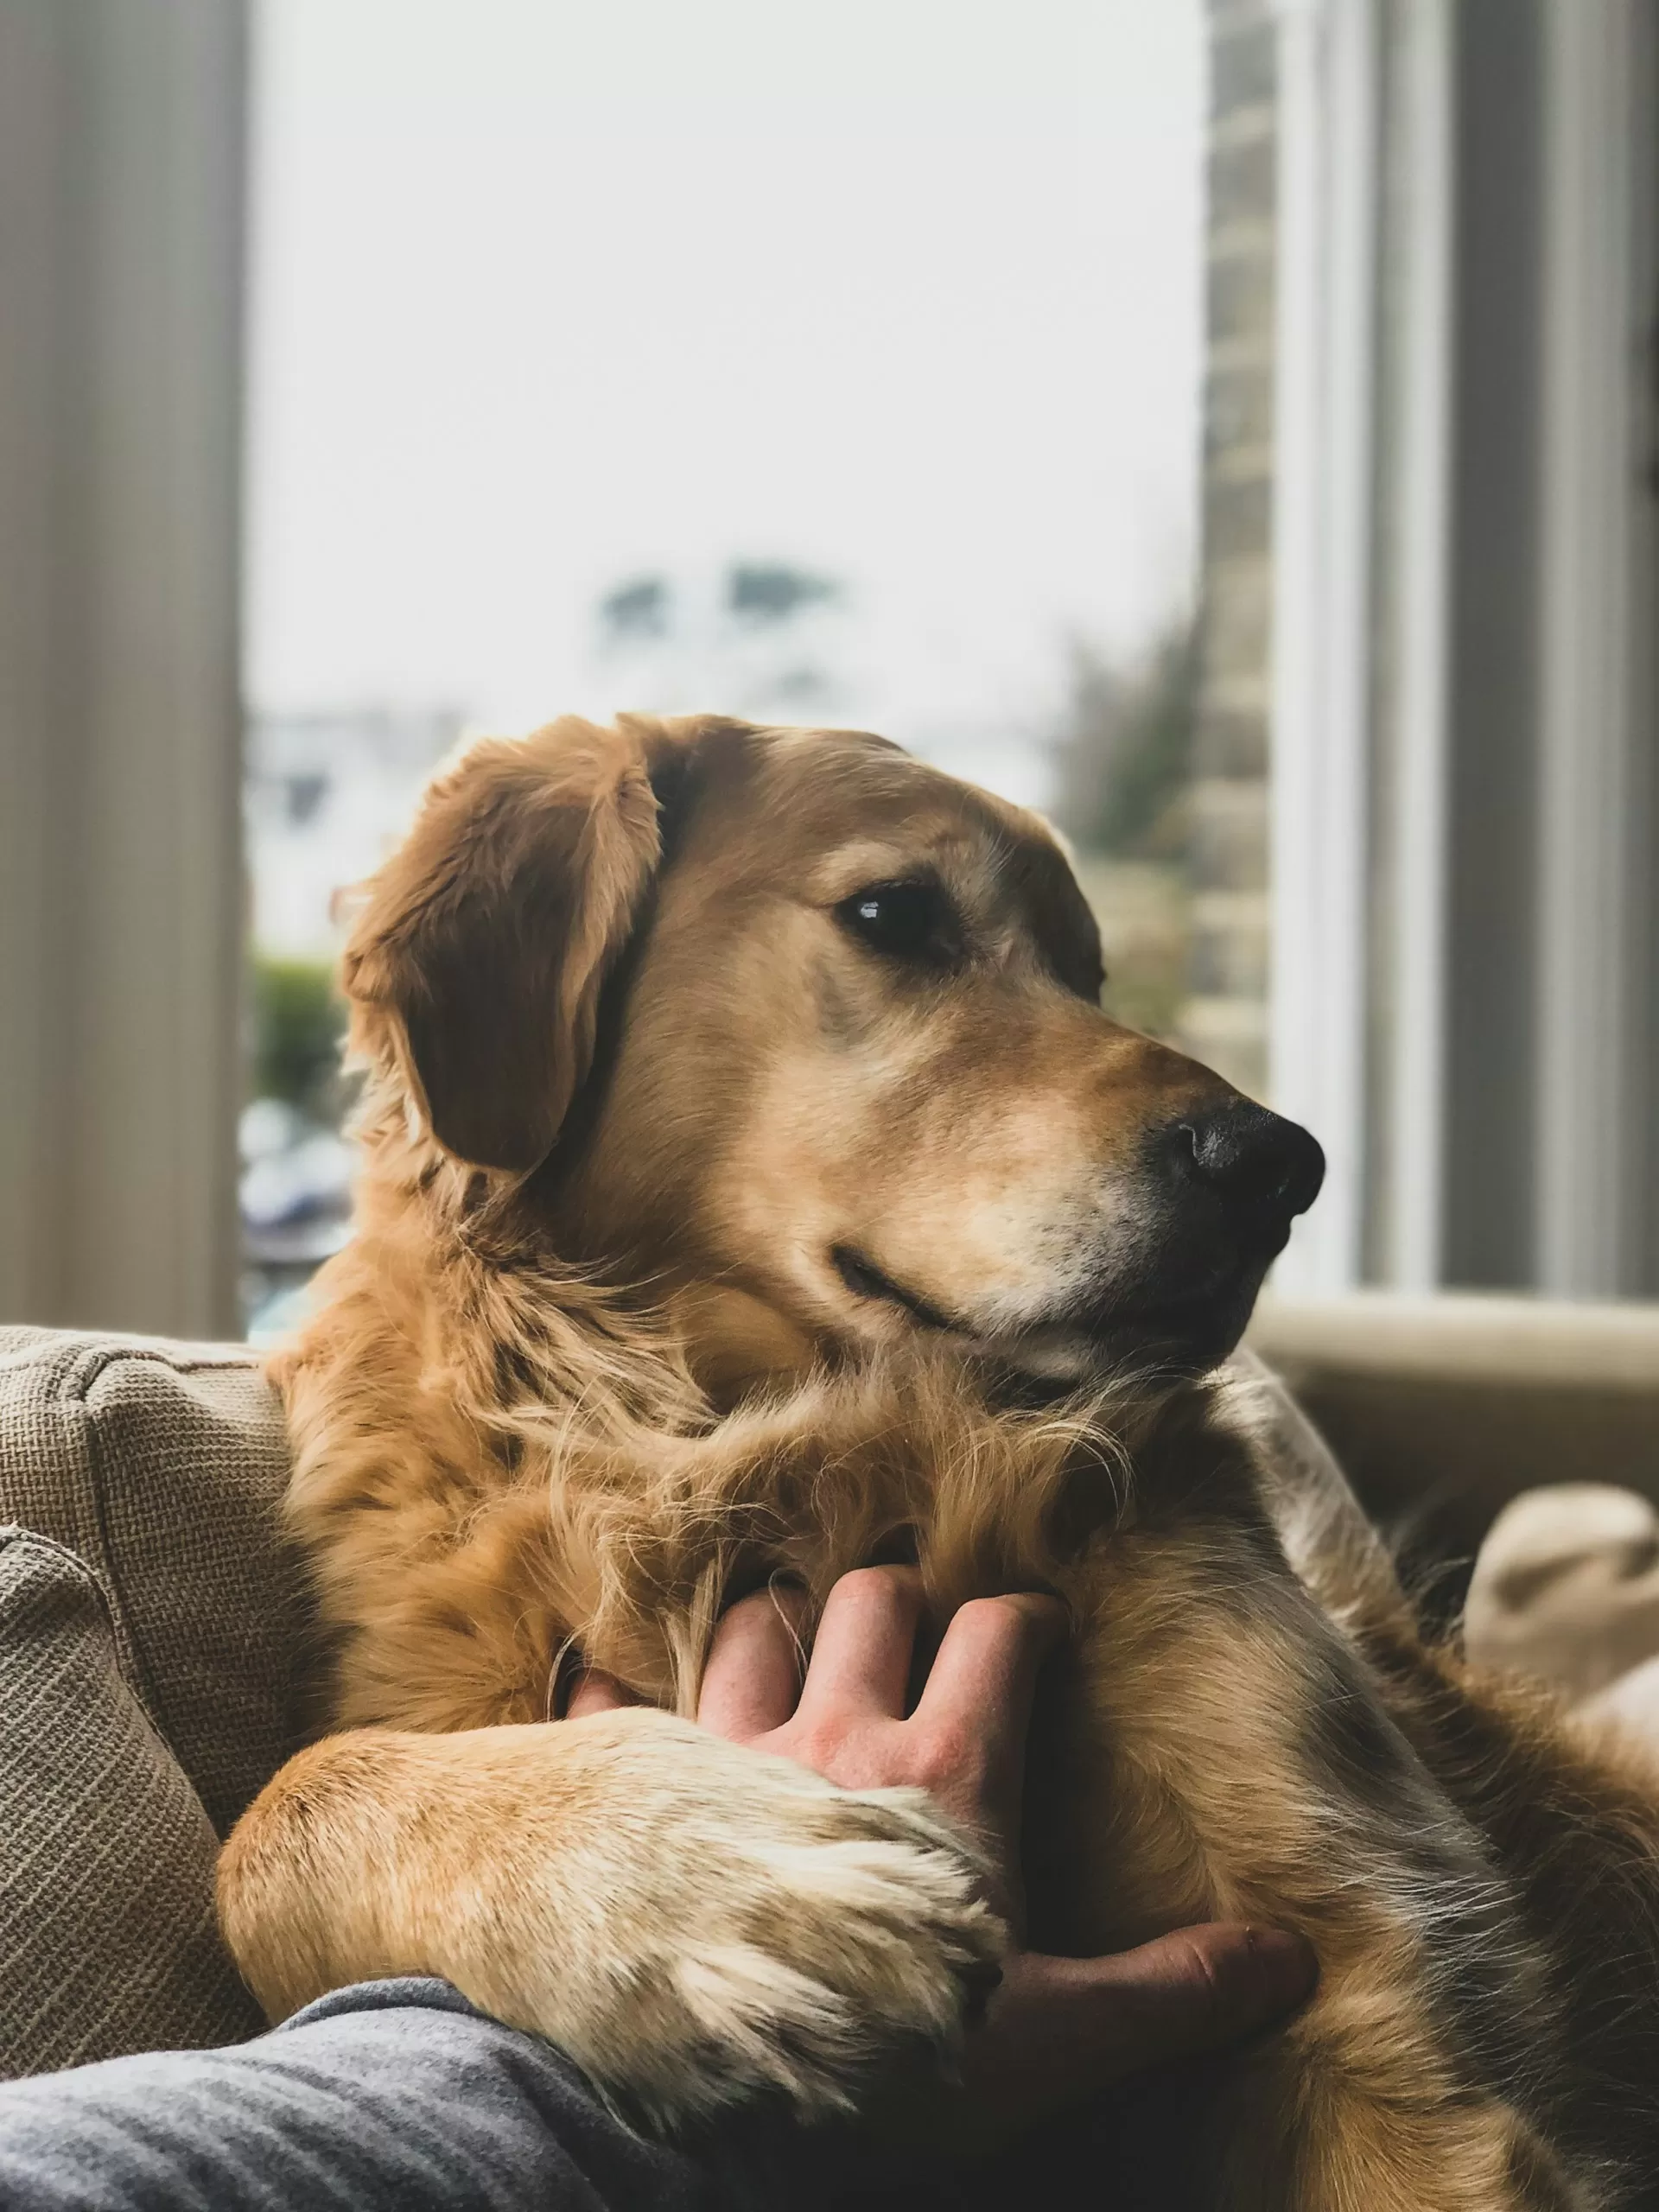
752 1186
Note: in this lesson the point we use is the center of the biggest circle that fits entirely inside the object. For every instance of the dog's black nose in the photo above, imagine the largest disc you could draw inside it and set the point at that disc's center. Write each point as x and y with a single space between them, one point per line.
1253 1159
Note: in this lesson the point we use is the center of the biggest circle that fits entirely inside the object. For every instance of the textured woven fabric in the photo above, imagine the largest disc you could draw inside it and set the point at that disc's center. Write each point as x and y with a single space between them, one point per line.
153 1629
162 1466
106 1856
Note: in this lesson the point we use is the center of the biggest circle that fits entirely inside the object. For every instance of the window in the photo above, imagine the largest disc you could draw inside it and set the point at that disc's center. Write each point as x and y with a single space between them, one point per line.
876 362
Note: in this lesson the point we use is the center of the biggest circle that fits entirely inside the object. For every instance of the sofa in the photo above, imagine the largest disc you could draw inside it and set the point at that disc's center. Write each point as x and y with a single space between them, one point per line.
154 1621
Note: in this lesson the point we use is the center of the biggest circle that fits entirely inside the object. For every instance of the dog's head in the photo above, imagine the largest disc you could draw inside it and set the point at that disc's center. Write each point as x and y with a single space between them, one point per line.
809 1033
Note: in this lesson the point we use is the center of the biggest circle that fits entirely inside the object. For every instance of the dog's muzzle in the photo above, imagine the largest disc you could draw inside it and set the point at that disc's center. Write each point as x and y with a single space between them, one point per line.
1219 1193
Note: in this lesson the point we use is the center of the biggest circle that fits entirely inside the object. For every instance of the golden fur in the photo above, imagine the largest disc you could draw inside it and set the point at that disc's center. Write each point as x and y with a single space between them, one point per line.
697 1245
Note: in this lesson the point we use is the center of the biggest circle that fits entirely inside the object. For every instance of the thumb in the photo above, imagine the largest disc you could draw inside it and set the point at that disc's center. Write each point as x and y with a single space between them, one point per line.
1059 2031
1195 1990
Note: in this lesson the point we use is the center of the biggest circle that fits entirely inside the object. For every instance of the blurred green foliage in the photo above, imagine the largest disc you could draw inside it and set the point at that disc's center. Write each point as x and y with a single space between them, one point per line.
299 1021
1124 769
1124 760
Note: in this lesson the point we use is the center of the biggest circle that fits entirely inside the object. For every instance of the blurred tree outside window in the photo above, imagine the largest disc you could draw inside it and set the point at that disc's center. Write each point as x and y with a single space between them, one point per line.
1123 767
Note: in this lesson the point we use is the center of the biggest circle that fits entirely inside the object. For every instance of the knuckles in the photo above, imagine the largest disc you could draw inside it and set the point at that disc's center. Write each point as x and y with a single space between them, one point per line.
836 1753
895 1590
1013 1618
948 1760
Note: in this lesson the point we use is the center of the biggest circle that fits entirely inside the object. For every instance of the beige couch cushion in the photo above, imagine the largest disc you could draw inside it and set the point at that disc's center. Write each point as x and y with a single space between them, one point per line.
106 1857
152 1625
162 1466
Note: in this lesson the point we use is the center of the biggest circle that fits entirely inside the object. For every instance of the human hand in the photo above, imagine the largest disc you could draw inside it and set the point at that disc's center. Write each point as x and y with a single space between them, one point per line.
1057 2029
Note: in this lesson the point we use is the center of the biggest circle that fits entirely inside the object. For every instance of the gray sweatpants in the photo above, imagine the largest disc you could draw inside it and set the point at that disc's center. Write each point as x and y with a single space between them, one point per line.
393 2096
398 2096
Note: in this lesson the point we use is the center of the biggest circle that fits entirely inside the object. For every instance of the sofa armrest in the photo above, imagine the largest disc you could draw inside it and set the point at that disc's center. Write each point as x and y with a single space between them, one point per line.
1441 1409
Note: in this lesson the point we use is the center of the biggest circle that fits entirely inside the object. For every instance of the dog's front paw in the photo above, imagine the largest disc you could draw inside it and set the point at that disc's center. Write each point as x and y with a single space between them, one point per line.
719 1924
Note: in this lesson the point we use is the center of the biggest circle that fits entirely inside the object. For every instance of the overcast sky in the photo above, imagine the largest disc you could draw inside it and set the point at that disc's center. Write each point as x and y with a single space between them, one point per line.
546 296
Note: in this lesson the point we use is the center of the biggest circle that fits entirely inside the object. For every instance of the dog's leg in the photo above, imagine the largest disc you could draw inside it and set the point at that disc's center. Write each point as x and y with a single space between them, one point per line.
692 1922
1570 1813
1300 2140
1327 1537
1234 1756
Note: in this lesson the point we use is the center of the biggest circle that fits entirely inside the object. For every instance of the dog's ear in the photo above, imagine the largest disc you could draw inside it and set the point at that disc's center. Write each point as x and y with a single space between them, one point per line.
477 962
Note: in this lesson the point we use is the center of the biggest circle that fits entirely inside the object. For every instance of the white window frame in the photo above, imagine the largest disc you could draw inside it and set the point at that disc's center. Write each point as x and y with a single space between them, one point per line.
1362 962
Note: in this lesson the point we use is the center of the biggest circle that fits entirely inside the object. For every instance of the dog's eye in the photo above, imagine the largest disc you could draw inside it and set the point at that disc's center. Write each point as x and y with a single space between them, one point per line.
911 921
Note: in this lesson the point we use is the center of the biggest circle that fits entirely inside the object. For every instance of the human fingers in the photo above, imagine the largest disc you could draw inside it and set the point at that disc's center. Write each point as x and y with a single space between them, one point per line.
753 1676
859 1668
593 1691
1060 2030
979 1694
